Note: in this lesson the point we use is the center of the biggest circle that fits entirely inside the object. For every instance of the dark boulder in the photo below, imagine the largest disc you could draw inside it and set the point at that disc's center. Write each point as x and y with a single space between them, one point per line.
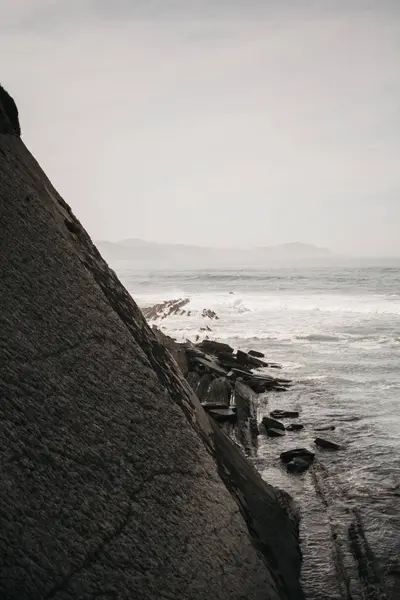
213 347
249 361
255 353
229 361
303 453
328 445
284 414
294 427
298 465
272 423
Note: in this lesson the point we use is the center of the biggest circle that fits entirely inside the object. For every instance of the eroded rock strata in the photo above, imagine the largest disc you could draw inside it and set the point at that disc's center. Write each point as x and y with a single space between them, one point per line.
114 481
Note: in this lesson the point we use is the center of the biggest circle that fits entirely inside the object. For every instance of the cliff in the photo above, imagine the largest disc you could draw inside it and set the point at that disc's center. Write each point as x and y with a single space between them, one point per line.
113 482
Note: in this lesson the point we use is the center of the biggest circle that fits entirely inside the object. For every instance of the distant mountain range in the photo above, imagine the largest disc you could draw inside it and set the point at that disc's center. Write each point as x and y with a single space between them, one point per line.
142 253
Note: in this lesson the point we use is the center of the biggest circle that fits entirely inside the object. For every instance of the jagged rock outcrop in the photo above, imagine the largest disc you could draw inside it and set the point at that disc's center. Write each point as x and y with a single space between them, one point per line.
9 119
114 483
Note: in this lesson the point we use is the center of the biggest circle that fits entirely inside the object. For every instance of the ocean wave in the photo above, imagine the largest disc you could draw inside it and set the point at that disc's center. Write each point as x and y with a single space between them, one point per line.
318 337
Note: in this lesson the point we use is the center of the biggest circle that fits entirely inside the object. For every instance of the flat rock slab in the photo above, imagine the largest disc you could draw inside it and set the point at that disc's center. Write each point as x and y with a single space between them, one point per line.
211 365
214 405
212 347
223 414
326 444
256 354
284 414
325 428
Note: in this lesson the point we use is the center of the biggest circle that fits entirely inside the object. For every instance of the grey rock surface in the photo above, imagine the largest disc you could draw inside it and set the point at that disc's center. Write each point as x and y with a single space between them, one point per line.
113 482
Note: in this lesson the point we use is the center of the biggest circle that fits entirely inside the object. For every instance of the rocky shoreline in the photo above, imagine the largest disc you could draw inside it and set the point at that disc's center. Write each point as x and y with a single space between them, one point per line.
228 384
231 385
114 483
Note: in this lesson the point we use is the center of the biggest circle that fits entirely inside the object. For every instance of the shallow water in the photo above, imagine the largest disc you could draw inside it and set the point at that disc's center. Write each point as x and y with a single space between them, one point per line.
336 331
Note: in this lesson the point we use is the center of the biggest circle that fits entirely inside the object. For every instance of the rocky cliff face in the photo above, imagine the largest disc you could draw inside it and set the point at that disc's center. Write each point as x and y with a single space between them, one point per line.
113 482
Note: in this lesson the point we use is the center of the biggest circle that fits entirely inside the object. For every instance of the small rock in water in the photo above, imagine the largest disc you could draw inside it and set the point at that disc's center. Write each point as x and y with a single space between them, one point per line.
326 444
272 424
298 465
207 312
295 427
284 414
302 453
325 428
256 354
272 432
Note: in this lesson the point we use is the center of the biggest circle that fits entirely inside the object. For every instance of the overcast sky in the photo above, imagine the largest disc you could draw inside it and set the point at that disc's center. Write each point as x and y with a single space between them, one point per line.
215 122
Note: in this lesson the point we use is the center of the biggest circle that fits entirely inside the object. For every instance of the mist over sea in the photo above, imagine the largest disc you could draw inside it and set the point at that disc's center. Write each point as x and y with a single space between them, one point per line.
336 331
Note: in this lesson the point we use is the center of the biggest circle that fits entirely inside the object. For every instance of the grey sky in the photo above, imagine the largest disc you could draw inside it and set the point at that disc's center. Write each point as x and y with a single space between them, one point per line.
215 122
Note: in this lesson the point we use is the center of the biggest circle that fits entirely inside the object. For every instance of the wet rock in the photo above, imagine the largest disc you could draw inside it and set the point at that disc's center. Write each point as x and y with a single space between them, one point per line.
239 374
213 347
272 423
261 384
210 365
249 361
295 427
165 309
193 379
272 432
284 414
298 465
219 391
229 362
256 354
223 414
211 405
203 386
178 351
325 428
302 453
258 386
327 444
210 314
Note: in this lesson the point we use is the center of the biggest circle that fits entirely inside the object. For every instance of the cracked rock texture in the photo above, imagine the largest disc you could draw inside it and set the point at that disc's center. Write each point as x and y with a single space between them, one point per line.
113 482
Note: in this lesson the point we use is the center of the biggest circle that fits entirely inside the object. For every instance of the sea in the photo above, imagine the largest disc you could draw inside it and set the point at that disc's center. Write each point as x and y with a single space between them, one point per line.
336 332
